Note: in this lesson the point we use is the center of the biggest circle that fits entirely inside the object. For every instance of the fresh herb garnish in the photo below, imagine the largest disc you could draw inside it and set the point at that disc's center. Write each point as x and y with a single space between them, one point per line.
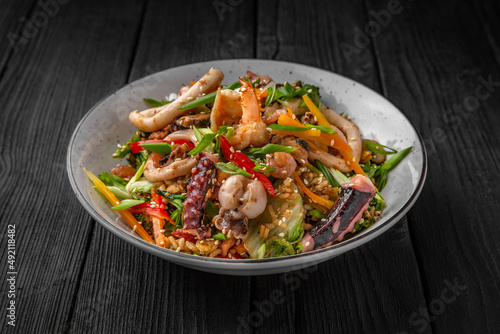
128 203
287 127
376 148
232 169
204 142
322 128
264 169
381 173
154 103
160 148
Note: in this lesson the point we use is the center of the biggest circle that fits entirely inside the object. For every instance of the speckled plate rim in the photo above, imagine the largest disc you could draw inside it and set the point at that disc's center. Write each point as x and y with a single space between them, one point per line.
184 259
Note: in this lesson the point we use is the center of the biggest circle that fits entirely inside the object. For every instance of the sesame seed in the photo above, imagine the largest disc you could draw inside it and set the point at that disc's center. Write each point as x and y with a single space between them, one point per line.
332 142
231 149
307 243
189 98
281 234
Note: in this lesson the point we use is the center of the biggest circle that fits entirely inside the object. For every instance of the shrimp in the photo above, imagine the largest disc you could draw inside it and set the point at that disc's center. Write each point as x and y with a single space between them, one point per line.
247 196
284 164
251 130
226 110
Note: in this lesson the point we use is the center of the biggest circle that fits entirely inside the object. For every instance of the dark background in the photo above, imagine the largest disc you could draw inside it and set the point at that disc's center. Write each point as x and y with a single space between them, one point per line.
436 271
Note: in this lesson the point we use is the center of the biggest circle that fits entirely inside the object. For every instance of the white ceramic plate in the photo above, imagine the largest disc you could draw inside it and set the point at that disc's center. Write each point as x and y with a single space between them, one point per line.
106 124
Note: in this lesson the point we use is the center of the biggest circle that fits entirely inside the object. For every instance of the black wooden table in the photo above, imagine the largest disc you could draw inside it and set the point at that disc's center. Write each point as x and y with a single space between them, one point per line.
437 270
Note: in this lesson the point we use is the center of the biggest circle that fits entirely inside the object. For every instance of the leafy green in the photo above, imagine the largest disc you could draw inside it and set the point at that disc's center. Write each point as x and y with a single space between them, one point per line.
128 203
154 103
363 223
160 148
138 184
203 143
279 247
112 179
232 169
219 236
287 92
209 98
369 168
340 177
257 247
375 148
383 171
326 172
116 184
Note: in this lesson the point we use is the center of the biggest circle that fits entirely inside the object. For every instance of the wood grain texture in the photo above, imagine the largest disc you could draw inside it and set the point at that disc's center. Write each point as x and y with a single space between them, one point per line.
45 92
74 276
428 69
165 296
356 292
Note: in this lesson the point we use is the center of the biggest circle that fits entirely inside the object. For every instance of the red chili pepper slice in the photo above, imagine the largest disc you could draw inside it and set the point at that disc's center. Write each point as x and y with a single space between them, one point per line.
152 210
244 162
136 147
180 233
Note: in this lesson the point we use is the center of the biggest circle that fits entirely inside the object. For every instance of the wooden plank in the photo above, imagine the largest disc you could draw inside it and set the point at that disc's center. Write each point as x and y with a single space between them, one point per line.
46 88
434 62
165 296
369 289
15 28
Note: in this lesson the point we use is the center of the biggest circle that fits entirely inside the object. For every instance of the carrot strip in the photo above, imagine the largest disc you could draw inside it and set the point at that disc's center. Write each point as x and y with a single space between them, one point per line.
346 153
240 249
127 216
326 138
318 199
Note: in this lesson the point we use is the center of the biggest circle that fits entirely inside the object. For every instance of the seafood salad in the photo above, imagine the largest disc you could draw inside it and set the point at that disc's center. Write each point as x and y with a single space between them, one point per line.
250 170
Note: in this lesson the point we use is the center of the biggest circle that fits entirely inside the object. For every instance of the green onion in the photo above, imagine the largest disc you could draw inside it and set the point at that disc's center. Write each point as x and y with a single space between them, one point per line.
256 82
168 195
160 148
153 103
232 169
382 171
271 148
230 132
209 98
315 213
204 142
128 203
264 169
322 128
375 148
271 90
286 127
326 172
313 169
219 236
197 133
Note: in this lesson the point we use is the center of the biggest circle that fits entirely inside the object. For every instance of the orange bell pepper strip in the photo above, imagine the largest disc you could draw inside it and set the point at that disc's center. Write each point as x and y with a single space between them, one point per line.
318 199
346 153
126 215
324 138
